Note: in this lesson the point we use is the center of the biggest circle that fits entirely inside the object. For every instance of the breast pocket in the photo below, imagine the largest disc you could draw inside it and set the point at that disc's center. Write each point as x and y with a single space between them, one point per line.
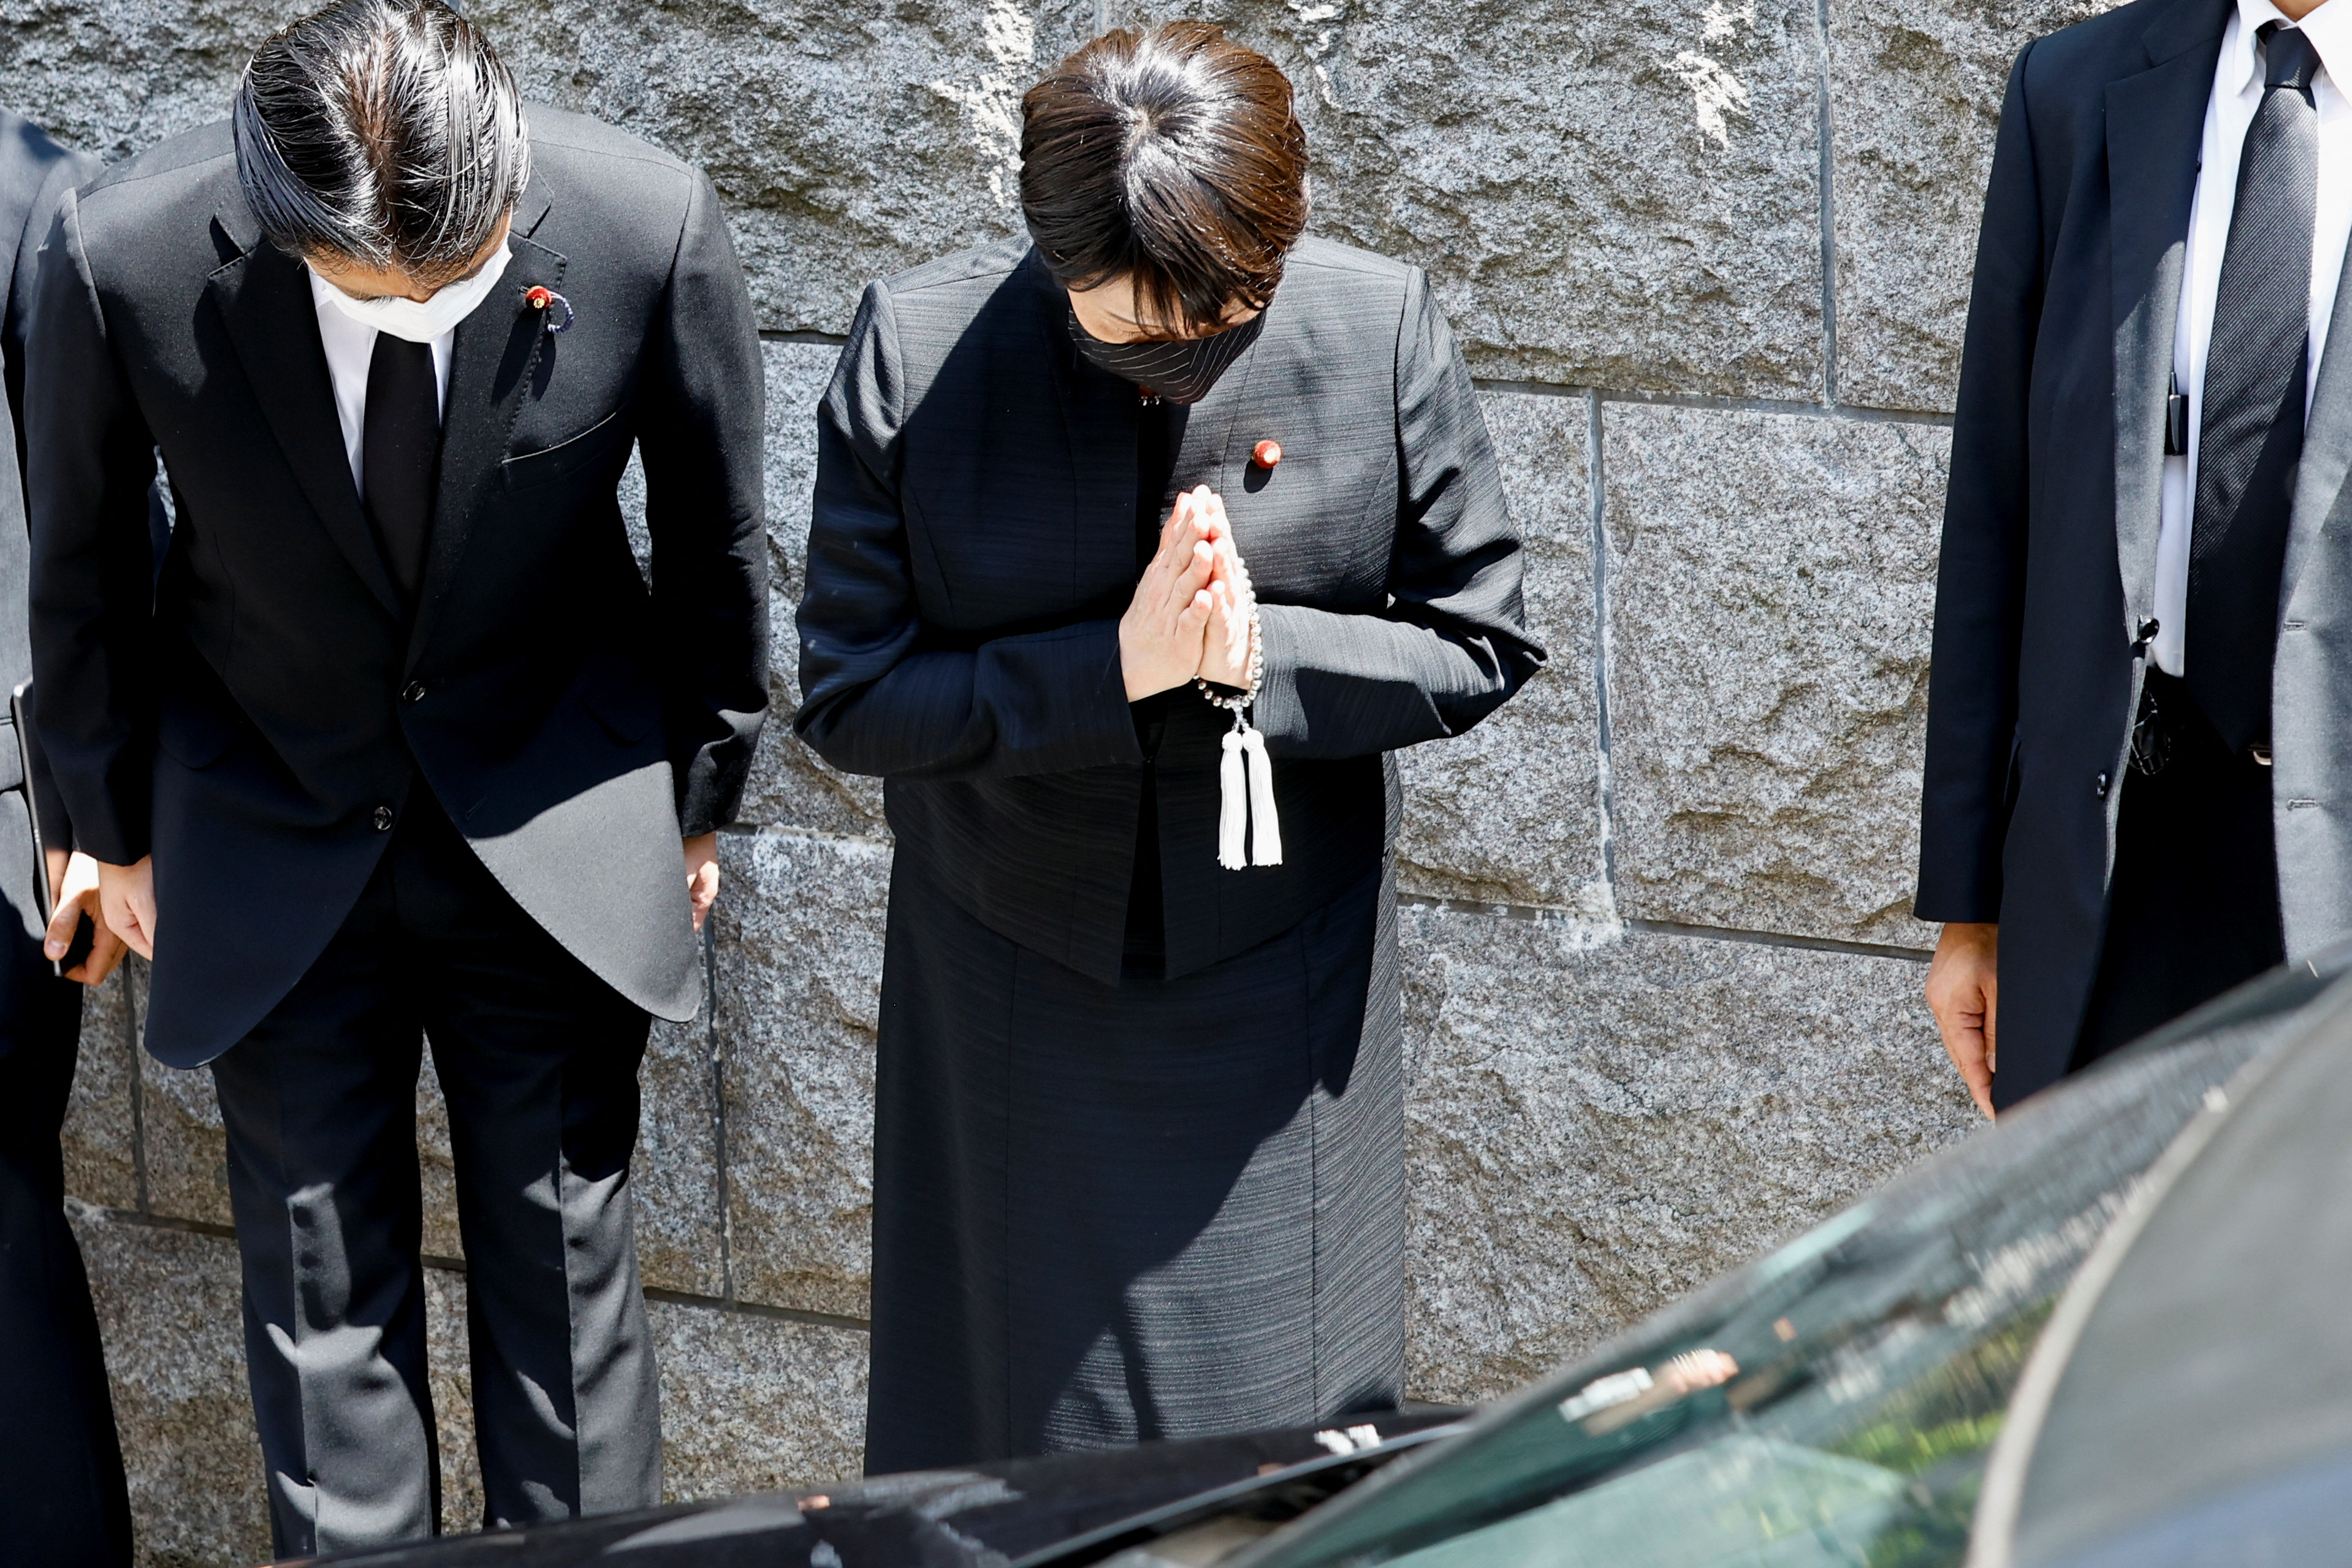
578 453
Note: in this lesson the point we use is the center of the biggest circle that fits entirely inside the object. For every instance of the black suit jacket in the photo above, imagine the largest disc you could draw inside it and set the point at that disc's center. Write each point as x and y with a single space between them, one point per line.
973 544
253 728
2050 520
34 174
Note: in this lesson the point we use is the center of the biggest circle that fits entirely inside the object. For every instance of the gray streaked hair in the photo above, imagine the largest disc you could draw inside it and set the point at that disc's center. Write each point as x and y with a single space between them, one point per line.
386 133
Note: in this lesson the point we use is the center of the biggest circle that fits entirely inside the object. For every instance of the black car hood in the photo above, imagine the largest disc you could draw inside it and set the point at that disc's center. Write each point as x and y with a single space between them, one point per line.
1068 1508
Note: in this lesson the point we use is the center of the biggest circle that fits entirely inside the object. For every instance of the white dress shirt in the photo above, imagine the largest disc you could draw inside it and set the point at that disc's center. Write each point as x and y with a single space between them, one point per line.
350 349
2237 93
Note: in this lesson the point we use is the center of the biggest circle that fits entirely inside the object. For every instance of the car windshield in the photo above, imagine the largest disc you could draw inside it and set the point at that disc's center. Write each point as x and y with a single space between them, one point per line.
1833 1403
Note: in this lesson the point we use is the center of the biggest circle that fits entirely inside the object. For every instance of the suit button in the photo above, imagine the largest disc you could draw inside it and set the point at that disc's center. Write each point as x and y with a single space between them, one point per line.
2099 787
383 819
412 692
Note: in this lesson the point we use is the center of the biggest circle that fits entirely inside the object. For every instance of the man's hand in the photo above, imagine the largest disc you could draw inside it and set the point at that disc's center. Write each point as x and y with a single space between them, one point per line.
1964 993
73 893
1159 636
702 875
127 896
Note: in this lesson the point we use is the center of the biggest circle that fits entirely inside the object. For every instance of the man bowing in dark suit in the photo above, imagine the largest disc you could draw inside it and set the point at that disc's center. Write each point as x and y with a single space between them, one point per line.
401 747
2138 722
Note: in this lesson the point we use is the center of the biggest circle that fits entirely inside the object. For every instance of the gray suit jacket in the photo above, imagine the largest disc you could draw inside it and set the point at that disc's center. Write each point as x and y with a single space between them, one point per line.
2048 578
973 544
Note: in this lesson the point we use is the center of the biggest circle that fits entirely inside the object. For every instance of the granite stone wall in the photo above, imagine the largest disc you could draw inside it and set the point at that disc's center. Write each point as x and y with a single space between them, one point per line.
1709 260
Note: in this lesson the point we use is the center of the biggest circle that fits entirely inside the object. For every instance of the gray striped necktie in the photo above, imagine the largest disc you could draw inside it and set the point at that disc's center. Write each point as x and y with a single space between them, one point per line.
2251 437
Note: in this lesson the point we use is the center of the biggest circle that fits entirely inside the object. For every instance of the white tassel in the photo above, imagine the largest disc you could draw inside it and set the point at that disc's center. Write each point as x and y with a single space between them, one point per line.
1265 828
1233 809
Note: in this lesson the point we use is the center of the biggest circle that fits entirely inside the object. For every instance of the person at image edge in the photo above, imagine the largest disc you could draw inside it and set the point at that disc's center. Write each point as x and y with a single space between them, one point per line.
2135 794
63 1498
400 746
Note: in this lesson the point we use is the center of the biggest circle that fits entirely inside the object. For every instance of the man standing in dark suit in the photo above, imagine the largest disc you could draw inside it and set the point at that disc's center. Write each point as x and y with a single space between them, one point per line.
2138 722
403 748
62 1497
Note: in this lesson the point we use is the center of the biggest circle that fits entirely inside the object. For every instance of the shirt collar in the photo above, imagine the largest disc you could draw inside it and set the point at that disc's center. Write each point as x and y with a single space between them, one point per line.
2328 27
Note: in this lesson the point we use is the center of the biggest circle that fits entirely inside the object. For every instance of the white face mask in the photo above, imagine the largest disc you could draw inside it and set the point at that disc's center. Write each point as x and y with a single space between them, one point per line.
422 320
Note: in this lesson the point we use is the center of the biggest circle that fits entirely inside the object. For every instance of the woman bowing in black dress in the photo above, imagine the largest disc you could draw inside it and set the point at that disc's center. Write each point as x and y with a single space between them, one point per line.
1135 551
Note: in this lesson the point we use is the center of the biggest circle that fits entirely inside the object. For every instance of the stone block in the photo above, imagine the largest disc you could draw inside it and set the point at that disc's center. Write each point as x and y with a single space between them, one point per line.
1771 586
450 1374
436 1168
186 1150
101 1138
1624 196
752 1402
1599 1123
675 1173
114 77
1510 812
847 143
799 948
169 1312
790 786
1916 88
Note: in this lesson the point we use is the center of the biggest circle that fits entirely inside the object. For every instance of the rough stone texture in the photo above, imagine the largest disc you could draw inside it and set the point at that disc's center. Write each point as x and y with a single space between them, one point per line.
756 1402
101 1142
436 1167
789 785
848 142
1511 812
1621 195
187 1159
675 1173
1918 87
1770 582
112 76
800 970
1625 197
168 1311
1598 1124
449 1374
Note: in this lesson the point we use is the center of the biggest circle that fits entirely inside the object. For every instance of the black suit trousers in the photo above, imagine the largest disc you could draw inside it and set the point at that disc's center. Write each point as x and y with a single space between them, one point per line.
2193 908
62 1498
537 1058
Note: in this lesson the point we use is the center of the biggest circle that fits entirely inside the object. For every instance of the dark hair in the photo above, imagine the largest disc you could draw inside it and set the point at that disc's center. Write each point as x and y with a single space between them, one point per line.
1173 157
385 132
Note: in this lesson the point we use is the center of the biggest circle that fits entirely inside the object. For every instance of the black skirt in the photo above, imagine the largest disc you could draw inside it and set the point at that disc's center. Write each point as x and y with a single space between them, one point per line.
1160 1209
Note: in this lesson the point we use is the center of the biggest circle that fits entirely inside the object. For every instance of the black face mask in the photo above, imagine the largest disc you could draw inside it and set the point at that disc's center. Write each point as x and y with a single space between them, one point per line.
1180 372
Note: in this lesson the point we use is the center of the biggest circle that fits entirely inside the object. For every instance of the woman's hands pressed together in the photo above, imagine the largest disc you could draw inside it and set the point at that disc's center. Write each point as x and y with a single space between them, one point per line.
1190 612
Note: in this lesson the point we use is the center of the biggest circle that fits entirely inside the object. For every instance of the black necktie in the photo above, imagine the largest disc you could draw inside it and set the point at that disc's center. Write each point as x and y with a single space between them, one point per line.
2252 432
400 443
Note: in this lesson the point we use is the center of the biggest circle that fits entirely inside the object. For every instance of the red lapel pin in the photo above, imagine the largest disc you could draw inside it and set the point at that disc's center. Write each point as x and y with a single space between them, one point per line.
539 297
1266 454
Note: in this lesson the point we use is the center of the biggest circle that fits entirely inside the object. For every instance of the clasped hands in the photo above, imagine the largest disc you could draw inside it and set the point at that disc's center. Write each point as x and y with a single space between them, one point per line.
1192 612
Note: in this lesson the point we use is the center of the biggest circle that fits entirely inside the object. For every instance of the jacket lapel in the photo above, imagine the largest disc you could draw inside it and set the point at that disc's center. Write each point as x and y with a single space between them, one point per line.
2326 442
495 359
263 296
2156 122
